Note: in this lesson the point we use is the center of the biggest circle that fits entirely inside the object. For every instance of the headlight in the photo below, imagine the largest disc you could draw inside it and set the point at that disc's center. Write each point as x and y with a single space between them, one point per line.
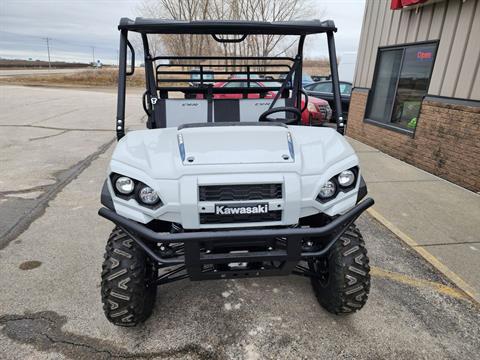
147 195
346 178
329 111
124 185
311 107
327 190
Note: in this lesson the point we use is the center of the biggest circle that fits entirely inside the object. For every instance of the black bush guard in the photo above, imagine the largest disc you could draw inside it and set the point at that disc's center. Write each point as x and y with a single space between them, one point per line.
194 258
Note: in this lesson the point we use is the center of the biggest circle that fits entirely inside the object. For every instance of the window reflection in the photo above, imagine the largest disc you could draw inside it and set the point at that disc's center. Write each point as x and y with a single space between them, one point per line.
402 75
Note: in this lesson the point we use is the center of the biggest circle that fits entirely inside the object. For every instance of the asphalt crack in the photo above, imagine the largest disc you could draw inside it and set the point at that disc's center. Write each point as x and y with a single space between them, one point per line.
44 331
53 127
55 116
48 136
24 191
63 178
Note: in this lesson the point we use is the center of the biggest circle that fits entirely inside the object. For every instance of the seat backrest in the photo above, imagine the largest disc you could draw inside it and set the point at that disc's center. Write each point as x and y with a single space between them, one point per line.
177 112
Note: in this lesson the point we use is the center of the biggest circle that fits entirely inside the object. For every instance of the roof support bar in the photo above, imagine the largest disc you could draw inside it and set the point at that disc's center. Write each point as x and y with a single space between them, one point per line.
297 79
122 78
335 83
151 84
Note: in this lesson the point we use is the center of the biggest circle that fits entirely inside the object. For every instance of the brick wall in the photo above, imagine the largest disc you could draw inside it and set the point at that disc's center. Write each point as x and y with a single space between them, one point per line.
446 141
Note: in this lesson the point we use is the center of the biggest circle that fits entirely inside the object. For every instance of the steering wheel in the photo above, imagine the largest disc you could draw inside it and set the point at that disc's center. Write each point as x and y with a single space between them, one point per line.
304 93
144 103
289 109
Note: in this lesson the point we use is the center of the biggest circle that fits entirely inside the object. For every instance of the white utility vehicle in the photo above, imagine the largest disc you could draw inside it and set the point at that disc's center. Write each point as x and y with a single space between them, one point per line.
216 188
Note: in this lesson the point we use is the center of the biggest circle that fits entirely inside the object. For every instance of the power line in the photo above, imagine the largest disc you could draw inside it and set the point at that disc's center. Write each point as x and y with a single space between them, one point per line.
48 50
20 45
56 40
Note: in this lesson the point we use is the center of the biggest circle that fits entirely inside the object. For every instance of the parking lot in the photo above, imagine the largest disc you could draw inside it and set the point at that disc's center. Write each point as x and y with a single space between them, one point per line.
54 150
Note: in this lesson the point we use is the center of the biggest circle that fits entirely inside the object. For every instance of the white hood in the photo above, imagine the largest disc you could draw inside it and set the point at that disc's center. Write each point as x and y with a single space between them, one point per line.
235 145
232 149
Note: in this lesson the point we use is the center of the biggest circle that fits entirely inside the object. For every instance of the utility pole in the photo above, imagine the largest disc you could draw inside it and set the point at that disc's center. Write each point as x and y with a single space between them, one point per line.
93 54
48 51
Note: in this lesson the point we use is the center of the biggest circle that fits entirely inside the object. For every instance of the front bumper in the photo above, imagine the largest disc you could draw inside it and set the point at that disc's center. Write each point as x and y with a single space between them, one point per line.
195 258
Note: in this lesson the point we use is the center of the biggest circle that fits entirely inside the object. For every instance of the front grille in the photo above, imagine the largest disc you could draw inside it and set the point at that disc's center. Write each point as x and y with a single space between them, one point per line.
240 192
323 111
240 218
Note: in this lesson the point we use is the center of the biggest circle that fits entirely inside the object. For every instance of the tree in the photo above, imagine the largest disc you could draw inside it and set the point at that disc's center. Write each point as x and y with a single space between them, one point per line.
255 10
178 45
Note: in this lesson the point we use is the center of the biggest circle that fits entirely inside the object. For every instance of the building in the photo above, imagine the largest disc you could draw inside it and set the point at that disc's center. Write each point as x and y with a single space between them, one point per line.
416 89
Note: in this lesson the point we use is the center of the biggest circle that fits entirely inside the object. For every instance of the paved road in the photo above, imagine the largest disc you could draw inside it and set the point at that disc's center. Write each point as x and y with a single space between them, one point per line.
50 300
55 309
46 137
22 72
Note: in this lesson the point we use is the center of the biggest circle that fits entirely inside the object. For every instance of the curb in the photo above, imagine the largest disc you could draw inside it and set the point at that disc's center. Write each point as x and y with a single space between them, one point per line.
432 260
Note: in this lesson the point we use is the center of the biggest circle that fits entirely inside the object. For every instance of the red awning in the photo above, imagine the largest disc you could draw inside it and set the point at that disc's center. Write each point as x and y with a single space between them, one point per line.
400 4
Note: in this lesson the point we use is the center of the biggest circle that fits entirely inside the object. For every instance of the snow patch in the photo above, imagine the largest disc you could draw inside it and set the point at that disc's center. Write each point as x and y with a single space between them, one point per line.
251 352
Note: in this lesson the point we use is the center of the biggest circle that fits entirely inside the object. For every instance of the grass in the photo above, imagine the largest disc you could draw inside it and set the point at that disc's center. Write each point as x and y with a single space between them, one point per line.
107 77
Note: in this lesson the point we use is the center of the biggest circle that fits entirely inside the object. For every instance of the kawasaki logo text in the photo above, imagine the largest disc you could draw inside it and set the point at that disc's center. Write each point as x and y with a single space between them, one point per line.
241 209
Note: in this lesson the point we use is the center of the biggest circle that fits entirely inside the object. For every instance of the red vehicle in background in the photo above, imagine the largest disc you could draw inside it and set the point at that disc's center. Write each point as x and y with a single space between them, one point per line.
317 113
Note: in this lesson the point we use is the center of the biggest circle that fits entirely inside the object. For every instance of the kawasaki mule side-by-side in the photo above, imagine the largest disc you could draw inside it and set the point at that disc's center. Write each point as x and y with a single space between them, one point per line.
225 188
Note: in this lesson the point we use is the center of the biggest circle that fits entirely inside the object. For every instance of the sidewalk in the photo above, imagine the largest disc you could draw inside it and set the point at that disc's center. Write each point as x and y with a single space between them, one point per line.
440 220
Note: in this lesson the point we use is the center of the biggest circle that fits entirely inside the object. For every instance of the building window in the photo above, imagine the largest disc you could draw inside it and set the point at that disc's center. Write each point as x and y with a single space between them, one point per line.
402 75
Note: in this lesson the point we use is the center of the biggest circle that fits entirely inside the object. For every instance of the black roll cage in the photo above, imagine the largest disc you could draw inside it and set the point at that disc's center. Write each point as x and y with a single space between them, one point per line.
292 67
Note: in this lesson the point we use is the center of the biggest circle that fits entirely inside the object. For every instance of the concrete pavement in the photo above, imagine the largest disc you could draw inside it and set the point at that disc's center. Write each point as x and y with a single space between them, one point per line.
442 218
53 310
46 137
50 274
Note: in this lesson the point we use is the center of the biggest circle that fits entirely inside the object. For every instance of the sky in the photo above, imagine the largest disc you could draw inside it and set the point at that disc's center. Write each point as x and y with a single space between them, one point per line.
83 30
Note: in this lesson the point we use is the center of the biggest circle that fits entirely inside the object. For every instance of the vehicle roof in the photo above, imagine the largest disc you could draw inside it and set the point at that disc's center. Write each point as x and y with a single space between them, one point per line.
236 27
328 81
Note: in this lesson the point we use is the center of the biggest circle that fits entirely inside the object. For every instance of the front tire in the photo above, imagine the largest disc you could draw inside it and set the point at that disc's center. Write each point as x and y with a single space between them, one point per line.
344 274
128 281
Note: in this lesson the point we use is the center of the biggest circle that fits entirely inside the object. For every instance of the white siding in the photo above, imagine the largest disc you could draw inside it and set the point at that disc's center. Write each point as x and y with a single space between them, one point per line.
377 32
361 49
